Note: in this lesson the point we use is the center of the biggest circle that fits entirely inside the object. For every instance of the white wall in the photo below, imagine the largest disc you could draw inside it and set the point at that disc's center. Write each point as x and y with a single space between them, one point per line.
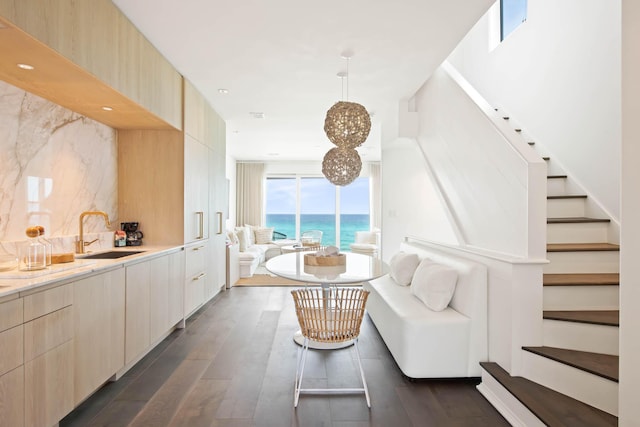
629 410
411 205
558 75
490 178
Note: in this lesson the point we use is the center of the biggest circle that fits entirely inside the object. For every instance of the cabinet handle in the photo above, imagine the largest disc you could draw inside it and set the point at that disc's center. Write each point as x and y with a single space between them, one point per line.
219 214
198 248
200 225
199 276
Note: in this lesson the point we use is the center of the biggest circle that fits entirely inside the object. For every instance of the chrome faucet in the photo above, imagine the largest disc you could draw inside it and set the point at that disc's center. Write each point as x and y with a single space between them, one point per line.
80 244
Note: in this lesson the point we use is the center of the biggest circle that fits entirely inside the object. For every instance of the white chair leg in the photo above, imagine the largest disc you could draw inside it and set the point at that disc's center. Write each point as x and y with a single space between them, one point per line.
300 364
364 381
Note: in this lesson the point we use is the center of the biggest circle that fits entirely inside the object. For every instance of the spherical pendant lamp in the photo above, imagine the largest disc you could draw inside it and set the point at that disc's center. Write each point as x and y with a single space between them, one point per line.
347 124
341 166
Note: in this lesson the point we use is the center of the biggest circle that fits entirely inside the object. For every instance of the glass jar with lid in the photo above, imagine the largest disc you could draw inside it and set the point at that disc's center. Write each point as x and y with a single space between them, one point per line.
32 253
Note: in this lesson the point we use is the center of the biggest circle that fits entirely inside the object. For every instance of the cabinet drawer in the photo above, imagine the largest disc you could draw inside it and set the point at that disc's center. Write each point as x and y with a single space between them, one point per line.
47 332
11 313
195 262
11 349
44 302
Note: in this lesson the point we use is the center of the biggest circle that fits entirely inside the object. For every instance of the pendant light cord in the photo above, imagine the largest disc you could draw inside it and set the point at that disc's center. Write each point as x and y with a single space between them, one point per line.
347 78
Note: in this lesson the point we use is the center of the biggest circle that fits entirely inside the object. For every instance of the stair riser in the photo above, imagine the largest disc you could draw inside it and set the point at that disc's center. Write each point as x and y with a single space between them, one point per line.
511 409
580 336
565 208
556 187
583 262
591 389
589 232
581 298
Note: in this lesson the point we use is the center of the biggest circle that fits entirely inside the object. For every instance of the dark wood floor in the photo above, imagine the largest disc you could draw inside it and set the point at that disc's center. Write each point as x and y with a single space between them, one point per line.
234 366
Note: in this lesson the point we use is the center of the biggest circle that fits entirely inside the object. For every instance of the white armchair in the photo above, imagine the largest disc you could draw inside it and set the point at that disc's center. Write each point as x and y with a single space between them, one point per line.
367 243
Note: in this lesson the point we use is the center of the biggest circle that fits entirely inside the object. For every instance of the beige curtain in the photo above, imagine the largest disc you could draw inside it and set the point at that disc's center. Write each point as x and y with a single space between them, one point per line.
375 189
249 184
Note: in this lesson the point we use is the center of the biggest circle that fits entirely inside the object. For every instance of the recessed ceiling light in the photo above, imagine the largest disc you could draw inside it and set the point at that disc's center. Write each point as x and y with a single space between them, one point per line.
223 91
257 114
107 108
26 66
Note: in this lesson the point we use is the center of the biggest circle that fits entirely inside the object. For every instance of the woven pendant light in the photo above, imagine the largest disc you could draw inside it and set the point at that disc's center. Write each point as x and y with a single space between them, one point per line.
347 124
341 166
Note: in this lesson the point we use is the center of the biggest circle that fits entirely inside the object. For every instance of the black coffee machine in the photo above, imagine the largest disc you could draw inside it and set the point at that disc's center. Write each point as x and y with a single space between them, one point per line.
134 237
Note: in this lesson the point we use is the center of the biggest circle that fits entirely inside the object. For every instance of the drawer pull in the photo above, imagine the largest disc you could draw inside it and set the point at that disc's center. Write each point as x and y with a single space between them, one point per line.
200 225
198 248
219 214
199 276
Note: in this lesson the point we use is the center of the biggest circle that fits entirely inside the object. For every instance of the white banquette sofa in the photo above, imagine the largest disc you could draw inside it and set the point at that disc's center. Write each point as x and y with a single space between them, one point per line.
256 245
427 343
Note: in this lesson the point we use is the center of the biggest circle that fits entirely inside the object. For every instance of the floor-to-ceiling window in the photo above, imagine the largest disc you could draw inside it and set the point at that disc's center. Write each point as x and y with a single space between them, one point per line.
295 205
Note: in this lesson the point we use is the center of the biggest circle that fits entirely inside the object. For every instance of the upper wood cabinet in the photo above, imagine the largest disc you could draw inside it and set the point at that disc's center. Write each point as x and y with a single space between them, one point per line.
195 112
98 38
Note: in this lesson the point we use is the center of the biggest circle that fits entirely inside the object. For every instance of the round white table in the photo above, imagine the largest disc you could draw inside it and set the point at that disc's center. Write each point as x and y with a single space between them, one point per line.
358 268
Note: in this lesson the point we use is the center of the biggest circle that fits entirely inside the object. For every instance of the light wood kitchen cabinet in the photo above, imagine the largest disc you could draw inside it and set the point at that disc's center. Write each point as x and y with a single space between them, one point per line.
196 276
11 363
175 311
99 318
196 190
97 37
48 356
137 310
158 298
154 302
12 397
195 113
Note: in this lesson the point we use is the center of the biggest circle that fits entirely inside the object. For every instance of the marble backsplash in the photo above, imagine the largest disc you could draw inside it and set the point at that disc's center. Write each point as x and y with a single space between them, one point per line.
54 164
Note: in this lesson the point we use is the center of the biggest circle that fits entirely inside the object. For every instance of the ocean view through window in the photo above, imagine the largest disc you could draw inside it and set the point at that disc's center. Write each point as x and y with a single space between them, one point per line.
294 205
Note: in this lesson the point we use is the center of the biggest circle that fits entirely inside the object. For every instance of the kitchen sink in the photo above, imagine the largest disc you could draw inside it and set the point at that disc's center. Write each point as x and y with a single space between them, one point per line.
111 255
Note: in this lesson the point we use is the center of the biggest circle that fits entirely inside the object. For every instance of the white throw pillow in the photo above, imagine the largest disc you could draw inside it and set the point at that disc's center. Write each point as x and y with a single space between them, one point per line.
434 284
251 229
263 235
402 266
243 238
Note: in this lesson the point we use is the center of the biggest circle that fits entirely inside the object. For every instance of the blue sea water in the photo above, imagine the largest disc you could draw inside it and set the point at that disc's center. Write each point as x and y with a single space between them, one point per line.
349 224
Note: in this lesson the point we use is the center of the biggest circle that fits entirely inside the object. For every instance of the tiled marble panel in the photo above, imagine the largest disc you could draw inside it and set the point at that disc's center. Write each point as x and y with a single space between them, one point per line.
54 164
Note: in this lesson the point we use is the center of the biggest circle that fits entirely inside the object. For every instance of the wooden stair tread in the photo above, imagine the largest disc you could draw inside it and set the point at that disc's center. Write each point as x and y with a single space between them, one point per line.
552 408
602 365
594 317
567 196
580 247
575 220
556 176
581 279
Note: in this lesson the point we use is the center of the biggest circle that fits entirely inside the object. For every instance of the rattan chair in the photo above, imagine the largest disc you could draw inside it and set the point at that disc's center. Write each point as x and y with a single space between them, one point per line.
331 315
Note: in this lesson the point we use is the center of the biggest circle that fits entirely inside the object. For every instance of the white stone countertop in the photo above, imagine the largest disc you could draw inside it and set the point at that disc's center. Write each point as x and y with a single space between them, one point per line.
13 282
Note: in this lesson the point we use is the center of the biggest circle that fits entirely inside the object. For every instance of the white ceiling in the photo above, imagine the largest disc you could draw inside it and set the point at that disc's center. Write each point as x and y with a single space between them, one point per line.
282 57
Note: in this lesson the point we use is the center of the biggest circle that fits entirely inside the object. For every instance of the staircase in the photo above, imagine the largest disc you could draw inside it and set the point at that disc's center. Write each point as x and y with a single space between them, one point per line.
572 379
